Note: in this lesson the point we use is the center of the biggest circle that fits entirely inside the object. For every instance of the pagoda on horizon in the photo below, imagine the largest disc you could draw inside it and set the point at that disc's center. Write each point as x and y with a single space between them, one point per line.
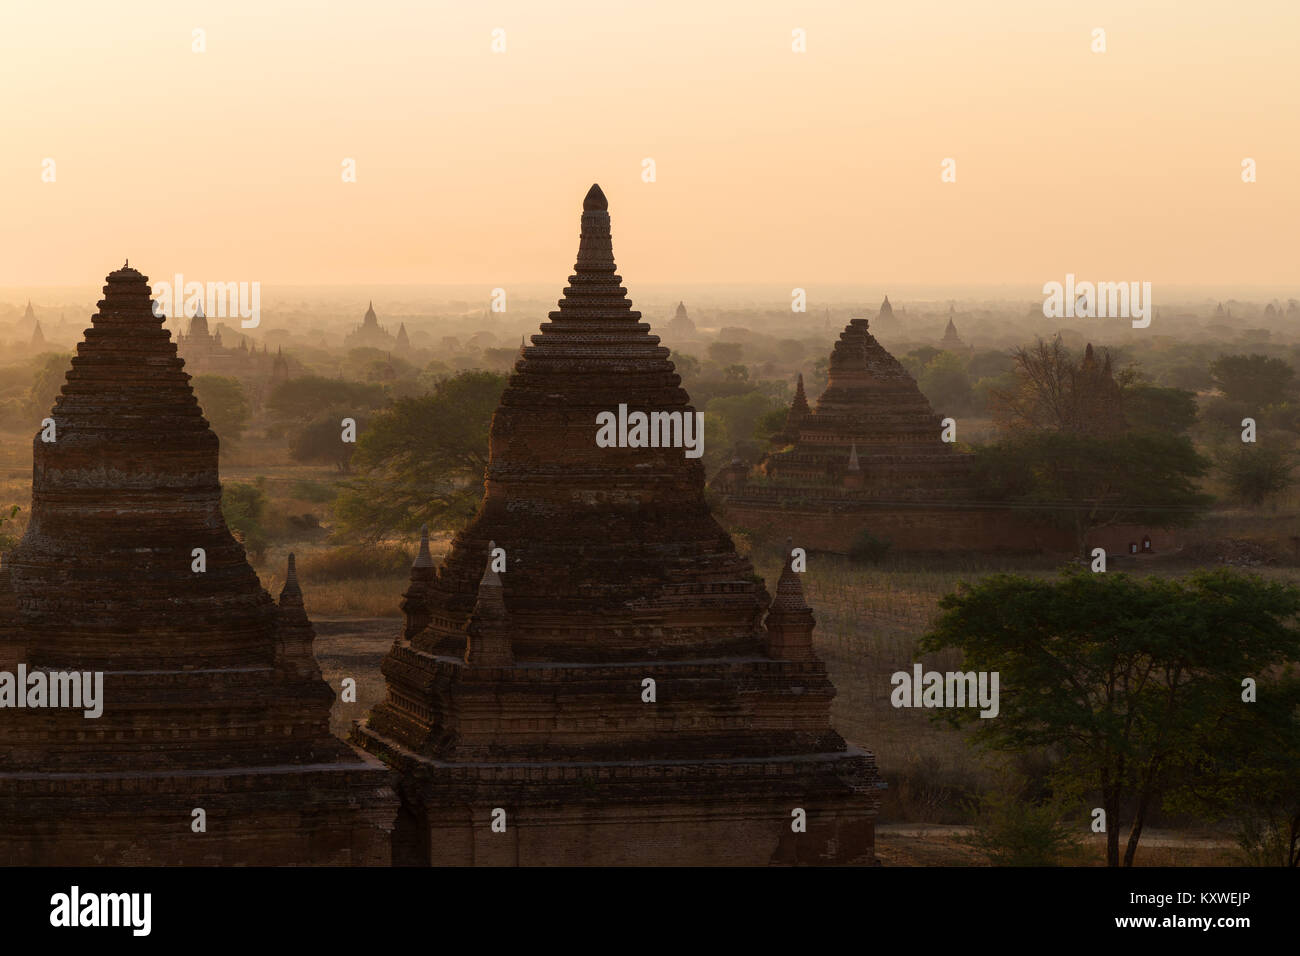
681 325
370 334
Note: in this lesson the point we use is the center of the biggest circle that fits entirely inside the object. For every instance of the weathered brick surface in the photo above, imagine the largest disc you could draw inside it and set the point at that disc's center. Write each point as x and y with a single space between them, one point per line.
525 692
212 697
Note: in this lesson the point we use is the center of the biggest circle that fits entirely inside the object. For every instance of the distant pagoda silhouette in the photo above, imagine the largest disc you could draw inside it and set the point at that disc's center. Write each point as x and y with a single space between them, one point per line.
951 340
370 334
870 457
681 325
522 691
212 697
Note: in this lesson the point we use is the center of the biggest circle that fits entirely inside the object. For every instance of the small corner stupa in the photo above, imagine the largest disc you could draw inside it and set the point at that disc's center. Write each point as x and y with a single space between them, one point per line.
209 697
594 675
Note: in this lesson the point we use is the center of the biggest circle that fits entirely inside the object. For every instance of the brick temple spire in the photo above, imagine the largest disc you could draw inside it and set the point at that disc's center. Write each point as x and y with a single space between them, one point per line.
212 695
424 559
800 403
294 654
618 572
794 417
291 593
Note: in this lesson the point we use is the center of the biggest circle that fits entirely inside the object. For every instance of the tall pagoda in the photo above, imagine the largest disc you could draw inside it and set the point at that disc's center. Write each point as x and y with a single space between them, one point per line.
213 744
594 675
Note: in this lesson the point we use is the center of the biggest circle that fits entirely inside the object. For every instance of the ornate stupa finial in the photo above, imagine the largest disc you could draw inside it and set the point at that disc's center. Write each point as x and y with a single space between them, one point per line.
595 248
853 457
424 559
595 200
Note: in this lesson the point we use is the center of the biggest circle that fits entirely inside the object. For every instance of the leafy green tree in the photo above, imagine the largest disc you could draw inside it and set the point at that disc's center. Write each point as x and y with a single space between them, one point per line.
945 383
224 405
1255 379
916 360
1254 473
688 367
47 382
726 353
500 360
990 364
1246 767
740 416
1154 409
985 391
1194 378
1119 678
1225 413
304 399
321 443
7 541
770 422
243 506
421 461
1082 482
432 374
821 374
1014 831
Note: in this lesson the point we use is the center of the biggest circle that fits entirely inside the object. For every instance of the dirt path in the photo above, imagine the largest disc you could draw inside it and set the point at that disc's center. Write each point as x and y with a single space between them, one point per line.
354 647
931 844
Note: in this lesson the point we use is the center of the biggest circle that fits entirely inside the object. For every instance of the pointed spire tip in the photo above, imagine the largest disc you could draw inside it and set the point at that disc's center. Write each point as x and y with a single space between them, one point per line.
595 200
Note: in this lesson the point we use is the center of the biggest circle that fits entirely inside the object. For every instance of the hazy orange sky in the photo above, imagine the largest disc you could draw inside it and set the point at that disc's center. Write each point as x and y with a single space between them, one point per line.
772 165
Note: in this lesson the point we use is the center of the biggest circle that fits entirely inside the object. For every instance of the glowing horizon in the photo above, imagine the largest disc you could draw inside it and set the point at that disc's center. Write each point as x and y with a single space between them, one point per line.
773 167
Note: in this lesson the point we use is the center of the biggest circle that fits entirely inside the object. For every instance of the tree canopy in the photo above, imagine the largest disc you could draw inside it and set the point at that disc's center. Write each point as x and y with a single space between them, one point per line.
1153 409
1055 390
321 442
304 399
224 405
47 382
1085 482
421 460
1255 379
1122 680
1254 473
